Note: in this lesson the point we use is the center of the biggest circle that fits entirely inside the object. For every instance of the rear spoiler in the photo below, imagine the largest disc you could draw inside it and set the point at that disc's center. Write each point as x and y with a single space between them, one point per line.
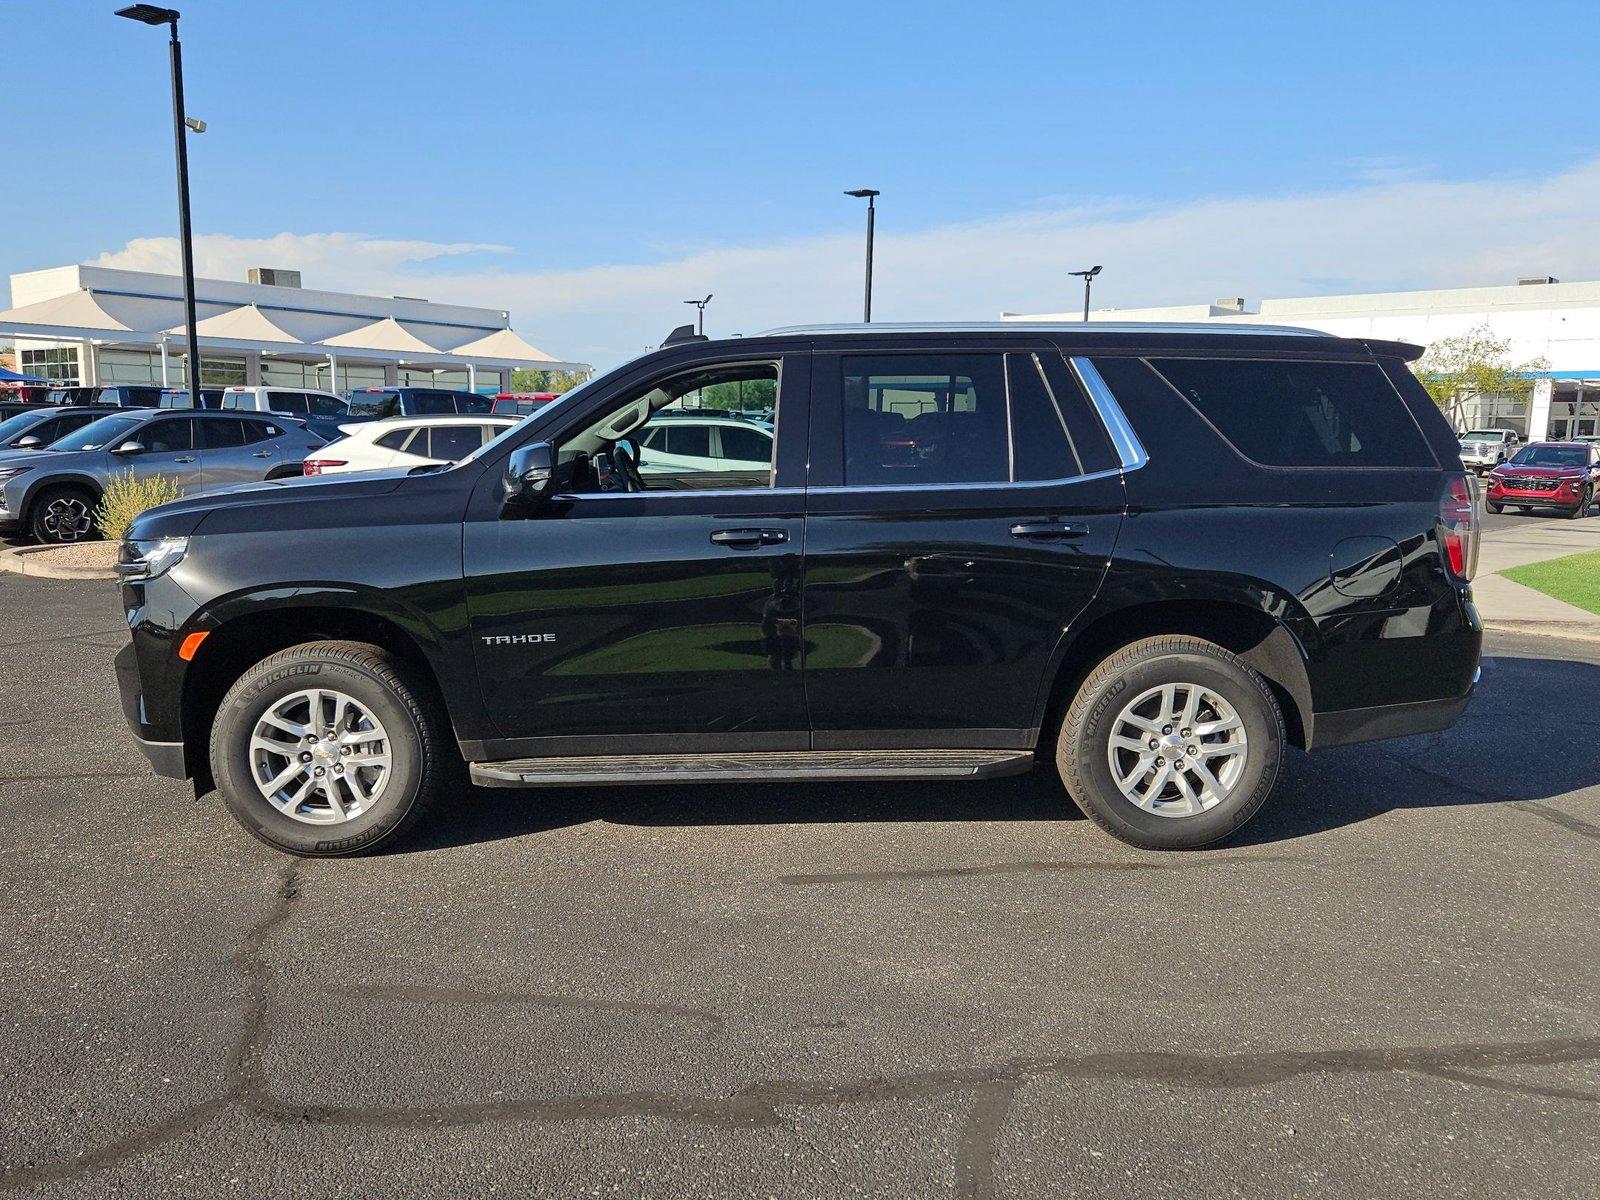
1404 351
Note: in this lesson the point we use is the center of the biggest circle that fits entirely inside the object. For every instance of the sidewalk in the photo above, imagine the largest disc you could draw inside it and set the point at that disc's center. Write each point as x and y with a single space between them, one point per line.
1512 608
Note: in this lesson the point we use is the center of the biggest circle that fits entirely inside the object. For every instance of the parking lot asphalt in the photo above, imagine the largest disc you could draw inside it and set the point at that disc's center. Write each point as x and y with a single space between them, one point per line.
1388 986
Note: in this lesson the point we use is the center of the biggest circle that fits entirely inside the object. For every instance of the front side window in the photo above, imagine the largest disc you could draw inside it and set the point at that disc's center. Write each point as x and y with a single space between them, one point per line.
664 438
925 419
474 404
432 404
98 435
1301 414
167 437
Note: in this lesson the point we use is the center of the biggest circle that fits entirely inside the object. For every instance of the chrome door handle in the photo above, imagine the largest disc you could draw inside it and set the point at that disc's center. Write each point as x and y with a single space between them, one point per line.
188 459
740 538
262 454
1048 530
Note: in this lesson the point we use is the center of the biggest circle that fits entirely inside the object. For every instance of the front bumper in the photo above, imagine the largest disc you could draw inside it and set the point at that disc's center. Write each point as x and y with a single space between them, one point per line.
1560 498
166 758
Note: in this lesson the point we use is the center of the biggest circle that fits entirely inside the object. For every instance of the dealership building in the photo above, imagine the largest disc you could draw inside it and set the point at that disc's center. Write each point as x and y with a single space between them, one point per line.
96 325
1541 319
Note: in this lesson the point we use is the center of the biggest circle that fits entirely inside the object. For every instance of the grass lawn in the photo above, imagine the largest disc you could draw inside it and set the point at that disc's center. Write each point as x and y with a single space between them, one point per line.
1575 579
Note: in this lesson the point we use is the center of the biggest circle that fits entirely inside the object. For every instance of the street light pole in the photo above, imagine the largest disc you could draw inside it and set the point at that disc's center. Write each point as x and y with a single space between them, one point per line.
150 14
870 194
700 315
1088 280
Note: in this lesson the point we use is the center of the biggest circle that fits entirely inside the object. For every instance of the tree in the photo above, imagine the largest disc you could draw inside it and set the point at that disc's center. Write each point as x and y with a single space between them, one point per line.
1455 370
523 380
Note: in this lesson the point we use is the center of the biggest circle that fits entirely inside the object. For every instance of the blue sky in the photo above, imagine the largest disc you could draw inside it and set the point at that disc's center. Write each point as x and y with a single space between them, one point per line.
588 165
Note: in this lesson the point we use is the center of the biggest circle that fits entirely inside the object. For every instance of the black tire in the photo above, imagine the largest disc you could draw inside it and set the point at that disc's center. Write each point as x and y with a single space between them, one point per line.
421 755
1494 508
1581 507
63 514
1082 747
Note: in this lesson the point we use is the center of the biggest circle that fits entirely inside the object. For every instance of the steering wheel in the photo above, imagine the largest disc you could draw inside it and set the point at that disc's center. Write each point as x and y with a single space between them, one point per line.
626 461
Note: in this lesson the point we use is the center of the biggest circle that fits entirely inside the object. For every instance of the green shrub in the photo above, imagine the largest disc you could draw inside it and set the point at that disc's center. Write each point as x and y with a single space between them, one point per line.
127 495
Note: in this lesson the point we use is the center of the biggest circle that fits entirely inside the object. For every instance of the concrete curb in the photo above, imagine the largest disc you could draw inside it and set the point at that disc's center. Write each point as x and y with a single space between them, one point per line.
28 560
1573 631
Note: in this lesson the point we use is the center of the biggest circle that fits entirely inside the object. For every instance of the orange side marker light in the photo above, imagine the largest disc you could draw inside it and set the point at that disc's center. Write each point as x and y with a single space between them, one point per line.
191 644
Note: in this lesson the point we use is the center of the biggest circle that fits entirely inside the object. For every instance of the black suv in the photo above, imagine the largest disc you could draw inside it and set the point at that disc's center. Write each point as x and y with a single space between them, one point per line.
1151 555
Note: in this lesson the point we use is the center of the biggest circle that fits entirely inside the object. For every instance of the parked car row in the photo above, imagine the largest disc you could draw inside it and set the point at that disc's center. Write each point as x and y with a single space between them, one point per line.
50 491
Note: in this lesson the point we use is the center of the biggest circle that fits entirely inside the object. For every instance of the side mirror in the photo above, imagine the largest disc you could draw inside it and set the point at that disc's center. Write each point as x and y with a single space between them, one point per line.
530 472
129 447
26 443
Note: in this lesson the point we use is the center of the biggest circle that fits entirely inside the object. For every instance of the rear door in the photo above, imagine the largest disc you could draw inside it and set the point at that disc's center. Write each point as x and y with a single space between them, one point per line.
962 509
236 450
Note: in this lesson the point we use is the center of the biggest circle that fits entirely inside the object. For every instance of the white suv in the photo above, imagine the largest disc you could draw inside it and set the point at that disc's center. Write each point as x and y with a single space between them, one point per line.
321 412
695 442
405 442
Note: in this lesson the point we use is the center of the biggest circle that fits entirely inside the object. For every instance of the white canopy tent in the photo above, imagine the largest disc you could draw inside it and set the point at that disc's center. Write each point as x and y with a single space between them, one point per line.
111 309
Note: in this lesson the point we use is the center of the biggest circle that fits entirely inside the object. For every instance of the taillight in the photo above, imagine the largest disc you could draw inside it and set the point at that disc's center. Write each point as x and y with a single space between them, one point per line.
316 466
1458 525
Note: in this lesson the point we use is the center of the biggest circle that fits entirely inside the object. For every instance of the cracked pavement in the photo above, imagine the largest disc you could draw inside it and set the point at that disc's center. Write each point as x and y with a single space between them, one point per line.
1387 986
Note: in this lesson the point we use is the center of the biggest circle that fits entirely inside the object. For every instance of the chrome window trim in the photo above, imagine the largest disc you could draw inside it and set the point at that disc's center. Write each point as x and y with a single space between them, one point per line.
1024 485
1127 444
659 492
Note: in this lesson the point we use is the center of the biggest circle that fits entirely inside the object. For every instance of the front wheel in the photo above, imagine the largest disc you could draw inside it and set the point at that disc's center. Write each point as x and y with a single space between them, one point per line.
1494 508
328 749
61 515
1581 507
1172 743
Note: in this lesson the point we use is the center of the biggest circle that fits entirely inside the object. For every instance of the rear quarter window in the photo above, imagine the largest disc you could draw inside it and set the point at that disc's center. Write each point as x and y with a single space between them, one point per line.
1301 414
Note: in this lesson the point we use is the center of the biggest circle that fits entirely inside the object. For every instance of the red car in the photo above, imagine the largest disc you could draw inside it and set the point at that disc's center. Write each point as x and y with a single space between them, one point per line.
1559 475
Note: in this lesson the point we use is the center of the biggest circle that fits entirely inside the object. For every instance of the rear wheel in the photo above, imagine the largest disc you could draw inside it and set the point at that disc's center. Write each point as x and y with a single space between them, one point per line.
328 749
63 514
1494 508
1172 743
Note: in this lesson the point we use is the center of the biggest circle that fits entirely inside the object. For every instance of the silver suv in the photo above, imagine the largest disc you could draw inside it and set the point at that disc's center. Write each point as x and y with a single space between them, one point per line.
1482 450
52 493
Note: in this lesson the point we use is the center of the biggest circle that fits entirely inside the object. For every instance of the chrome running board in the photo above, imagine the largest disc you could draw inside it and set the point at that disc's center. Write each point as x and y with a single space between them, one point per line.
794 765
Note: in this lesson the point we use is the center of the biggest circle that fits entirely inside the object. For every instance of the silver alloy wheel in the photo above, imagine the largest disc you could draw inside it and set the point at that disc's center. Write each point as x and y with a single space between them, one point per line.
67 519
320 757
1177 750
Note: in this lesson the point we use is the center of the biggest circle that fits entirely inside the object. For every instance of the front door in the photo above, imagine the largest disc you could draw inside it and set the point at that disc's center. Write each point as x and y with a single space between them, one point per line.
169 451
963 511
639 612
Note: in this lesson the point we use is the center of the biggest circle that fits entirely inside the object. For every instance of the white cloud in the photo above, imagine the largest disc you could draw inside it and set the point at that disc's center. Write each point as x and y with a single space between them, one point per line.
1381 234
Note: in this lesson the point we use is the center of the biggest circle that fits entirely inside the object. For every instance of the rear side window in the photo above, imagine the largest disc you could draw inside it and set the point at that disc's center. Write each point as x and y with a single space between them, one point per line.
1042 448
325 406
375 404
394 439
219 435
1301 414
431 404
287 402
257 431
746 445
451 442
473 404
924 419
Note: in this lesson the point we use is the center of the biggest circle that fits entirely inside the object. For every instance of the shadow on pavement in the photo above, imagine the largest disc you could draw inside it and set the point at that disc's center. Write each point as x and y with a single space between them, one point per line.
1531 733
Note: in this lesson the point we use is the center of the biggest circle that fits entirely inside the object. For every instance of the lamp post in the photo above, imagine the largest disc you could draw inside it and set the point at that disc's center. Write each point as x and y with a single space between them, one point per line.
700 315
1088 280
869 194
150 14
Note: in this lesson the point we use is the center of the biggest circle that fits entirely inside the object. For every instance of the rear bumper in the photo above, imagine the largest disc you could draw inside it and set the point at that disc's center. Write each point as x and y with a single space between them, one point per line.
1386 721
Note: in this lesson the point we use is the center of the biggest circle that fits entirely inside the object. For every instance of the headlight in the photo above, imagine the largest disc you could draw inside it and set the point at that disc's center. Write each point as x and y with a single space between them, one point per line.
12 472
139 561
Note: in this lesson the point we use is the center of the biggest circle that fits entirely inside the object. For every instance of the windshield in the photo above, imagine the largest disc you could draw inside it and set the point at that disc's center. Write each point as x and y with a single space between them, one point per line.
107 431
375 404
1551 456
15 427
1480 435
